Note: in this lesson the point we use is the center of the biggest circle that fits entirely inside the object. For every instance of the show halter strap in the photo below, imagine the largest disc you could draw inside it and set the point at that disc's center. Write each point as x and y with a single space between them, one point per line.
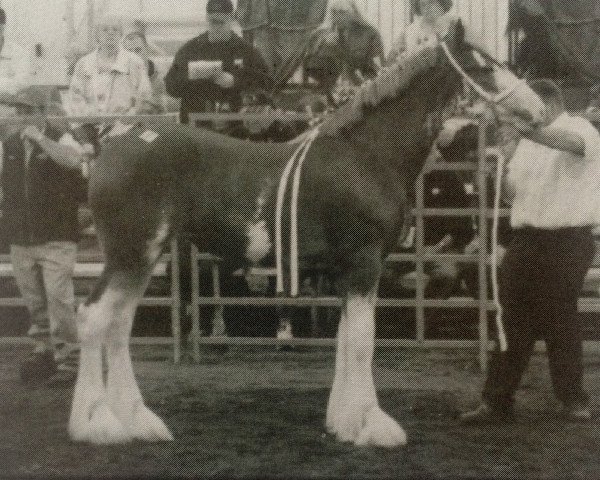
296 159
497 98
500 164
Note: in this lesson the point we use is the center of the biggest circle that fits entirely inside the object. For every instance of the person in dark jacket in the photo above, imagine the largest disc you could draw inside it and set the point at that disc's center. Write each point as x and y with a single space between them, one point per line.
43 183
210 72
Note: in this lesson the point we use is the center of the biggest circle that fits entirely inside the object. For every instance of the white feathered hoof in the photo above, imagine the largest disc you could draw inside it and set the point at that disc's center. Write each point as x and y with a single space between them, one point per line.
148 426
348 422
381 430
332 418
100 427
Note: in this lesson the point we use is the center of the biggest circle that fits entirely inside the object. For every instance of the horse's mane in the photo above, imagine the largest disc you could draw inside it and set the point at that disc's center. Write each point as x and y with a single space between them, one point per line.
390 82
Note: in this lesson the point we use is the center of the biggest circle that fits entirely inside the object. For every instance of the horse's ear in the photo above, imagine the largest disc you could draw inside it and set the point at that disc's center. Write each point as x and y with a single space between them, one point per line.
456 34
459 33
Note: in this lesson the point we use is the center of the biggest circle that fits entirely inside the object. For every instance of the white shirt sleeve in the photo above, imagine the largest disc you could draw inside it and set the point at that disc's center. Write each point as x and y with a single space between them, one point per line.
590 135
68 140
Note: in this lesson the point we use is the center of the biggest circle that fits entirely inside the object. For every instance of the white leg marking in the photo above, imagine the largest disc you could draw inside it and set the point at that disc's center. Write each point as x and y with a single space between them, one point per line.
334 407
91 419
154 246
360 419
259 242
124 396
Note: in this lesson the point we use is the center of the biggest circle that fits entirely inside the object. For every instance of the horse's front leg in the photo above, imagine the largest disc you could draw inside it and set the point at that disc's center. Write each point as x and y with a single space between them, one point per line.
360 419
334 406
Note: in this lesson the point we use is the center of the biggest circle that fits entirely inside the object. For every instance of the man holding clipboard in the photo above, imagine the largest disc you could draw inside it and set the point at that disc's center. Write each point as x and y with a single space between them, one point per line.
210 71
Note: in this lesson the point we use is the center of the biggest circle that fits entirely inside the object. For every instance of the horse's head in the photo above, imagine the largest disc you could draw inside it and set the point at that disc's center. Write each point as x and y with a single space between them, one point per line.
491 80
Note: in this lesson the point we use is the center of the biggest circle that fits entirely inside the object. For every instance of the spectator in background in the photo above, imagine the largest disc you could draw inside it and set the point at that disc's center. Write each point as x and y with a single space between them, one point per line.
110 80
432 22
14 67
43 182
136 42
348 45
234 66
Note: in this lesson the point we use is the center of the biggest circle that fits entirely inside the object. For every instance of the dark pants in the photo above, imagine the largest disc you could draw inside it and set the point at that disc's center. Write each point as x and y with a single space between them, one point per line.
540 280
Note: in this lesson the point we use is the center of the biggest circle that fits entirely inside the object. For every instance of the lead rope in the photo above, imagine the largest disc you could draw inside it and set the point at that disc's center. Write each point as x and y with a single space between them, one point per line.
301 153
500 161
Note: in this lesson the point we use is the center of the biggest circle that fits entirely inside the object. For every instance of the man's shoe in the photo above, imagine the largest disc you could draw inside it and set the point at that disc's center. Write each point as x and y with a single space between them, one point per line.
284 332
485 413
38 367
576 412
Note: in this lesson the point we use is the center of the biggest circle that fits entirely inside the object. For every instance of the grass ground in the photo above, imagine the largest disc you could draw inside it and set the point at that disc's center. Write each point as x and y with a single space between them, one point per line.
257 413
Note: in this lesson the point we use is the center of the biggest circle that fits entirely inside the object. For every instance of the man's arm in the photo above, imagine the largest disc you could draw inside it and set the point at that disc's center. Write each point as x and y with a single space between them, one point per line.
143 97
557 139
77 102
64 153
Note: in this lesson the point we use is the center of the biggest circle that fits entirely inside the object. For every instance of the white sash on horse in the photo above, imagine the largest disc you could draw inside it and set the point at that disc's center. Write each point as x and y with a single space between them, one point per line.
296 159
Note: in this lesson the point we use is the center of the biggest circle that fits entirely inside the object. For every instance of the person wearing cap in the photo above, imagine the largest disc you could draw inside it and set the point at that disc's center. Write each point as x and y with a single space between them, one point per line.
433 19
210 72
14 66
43 180
110 80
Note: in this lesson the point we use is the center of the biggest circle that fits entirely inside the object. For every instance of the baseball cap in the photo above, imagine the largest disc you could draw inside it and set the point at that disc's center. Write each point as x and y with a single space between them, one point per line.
219 6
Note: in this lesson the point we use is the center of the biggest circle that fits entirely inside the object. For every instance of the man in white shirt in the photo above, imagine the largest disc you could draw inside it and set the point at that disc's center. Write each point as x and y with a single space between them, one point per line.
554 175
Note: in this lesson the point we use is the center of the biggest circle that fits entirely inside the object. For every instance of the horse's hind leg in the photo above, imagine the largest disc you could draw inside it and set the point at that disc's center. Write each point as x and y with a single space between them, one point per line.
91 418
124 396
118 413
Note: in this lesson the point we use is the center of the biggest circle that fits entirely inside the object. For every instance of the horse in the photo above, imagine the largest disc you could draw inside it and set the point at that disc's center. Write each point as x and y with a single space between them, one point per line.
153 183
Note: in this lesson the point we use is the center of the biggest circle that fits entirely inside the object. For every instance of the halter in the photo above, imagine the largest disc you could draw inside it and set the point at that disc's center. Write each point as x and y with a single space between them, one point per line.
489 97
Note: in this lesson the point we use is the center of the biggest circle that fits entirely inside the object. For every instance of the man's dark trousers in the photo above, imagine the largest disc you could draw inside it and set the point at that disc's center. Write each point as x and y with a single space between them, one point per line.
540 280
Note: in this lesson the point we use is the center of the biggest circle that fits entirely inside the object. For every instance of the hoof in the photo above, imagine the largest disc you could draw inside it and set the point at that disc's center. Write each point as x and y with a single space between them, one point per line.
348 422
334 407
103 428
149 427
381 430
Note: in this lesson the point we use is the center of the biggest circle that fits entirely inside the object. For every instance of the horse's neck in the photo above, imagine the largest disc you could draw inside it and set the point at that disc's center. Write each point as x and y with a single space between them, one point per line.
401 130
